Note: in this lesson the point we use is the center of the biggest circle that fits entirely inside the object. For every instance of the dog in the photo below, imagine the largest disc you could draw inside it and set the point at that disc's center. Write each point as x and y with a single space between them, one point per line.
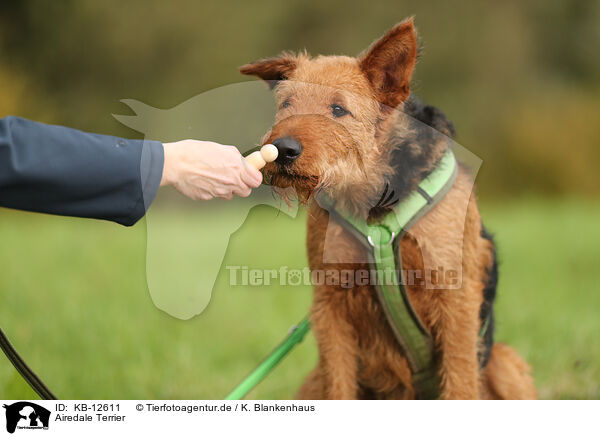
343 127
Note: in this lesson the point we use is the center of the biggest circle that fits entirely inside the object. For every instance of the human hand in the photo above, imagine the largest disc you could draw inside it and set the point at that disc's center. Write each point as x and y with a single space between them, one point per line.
202 170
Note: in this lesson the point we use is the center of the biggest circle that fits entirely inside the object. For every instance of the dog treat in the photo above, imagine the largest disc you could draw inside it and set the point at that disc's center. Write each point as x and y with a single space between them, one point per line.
258 159
269 152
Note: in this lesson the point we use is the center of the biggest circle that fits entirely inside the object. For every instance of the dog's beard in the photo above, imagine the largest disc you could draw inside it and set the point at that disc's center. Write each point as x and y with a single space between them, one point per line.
283 178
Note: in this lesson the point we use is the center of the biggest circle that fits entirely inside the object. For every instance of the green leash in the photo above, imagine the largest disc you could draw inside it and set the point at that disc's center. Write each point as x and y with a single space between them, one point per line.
295 336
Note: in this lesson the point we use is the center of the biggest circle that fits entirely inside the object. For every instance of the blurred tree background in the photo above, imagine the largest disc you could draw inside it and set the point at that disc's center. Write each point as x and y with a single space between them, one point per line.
521 80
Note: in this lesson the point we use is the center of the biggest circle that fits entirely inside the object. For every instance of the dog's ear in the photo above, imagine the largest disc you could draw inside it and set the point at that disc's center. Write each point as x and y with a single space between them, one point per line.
389 62
271 70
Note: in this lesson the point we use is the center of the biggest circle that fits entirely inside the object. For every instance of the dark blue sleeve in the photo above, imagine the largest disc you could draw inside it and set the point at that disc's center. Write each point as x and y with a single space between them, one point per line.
62 171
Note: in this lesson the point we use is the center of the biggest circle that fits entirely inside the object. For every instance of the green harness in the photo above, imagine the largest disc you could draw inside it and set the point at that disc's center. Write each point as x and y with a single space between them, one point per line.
381 241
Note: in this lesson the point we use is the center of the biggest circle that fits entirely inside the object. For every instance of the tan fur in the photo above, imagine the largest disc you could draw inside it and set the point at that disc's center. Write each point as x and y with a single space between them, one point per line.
350 158
507 376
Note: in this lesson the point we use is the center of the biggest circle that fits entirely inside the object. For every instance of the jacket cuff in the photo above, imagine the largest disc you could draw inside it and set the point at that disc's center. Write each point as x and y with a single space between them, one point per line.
151 169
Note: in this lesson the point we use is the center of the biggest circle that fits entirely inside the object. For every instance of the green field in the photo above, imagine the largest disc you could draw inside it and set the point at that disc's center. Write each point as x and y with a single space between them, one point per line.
74 300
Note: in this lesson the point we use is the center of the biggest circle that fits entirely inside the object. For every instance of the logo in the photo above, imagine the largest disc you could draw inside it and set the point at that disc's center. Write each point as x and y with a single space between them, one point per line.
26 415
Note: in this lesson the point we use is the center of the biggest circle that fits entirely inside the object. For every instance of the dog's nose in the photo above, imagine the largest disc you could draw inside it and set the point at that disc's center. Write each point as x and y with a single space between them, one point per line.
289 149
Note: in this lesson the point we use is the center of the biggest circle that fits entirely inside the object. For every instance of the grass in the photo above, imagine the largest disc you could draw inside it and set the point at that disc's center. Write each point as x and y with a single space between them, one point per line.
549 291
74 301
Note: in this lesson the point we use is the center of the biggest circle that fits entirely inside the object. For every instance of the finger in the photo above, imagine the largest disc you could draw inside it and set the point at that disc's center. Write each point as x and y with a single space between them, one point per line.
251 176
202 196
227 194
244 191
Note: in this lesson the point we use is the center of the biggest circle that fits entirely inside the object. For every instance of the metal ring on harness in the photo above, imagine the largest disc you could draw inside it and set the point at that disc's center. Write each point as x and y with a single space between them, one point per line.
388 243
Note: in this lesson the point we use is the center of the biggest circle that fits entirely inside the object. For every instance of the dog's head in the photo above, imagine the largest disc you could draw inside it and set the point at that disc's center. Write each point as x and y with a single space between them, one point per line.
333 114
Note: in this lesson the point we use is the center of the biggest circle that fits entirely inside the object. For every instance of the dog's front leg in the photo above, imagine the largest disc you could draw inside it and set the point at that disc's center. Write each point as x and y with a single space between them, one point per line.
458 337
337 342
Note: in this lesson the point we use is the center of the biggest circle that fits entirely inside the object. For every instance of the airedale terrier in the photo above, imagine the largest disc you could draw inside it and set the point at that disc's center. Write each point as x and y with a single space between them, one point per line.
341 128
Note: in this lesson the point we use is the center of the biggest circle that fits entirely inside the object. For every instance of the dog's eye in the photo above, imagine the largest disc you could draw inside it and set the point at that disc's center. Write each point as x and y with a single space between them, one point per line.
338 111
286 103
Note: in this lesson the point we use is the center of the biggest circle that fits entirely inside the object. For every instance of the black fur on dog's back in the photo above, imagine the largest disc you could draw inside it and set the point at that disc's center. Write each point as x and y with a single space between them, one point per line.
486 312
429 115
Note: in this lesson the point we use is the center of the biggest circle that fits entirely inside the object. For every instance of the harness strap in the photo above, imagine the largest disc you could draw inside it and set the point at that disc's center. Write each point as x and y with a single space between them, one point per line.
381 243
409 332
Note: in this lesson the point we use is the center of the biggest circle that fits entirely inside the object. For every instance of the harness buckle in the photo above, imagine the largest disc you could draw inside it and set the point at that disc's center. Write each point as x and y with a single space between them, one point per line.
372 244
